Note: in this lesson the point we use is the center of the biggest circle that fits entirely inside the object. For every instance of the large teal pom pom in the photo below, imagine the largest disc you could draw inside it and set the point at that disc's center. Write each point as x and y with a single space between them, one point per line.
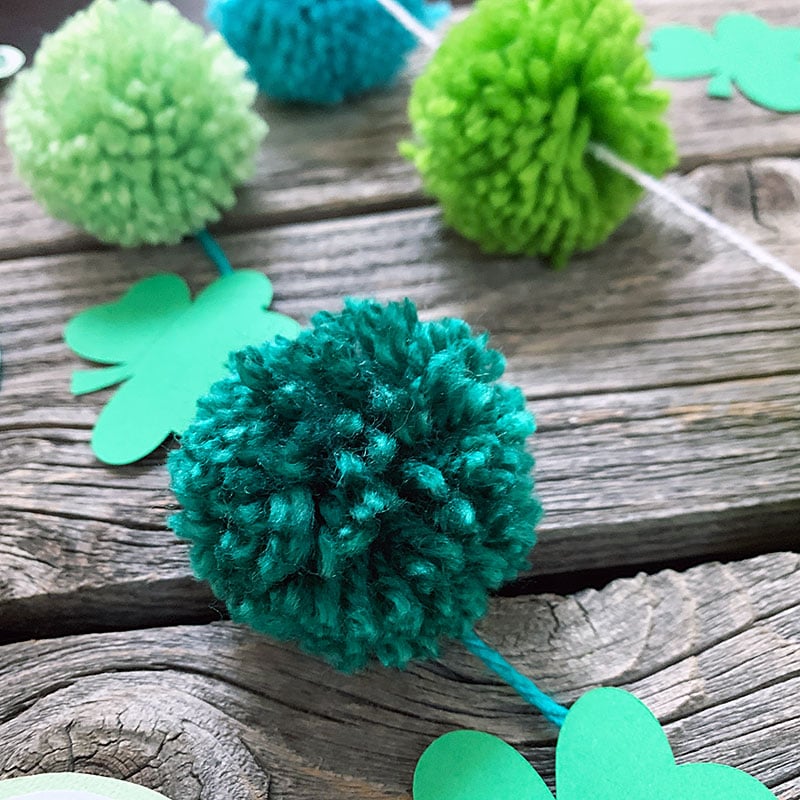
361 489
319 51
504 112
133 125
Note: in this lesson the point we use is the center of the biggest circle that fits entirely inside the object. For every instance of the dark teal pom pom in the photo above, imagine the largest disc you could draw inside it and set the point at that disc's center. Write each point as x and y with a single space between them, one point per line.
319 51
361 489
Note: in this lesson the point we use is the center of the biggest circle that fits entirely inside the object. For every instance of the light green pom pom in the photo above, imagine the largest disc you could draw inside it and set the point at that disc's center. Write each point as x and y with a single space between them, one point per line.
504 111
133 124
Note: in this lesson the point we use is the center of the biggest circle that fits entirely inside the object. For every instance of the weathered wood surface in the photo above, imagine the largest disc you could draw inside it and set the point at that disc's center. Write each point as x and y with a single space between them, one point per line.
321 163
216 712
663 369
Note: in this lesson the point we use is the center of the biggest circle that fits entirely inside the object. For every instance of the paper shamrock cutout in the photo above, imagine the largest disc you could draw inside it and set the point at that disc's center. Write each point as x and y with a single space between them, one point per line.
764 62
168 351
73 786
611 747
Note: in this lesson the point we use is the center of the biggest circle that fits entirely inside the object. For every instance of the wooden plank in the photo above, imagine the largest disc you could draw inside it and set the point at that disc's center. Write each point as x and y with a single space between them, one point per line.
663 369
217 712
322 163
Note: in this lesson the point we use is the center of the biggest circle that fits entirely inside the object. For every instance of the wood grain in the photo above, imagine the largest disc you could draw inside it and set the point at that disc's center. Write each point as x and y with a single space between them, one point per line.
215 711
663 369
332 162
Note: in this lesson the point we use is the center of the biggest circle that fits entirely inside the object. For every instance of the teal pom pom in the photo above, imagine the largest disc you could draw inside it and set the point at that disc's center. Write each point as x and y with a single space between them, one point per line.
319 51
133 125
505 110
361 489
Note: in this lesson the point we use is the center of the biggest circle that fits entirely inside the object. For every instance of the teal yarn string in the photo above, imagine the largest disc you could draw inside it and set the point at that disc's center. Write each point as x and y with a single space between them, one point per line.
213 250
523 686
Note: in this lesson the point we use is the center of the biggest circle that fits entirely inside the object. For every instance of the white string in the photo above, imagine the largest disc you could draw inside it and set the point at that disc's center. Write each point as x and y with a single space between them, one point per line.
411 23
602 153
726 232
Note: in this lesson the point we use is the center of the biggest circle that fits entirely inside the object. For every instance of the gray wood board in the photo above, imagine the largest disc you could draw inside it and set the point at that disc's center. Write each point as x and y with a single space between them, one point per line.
663 369
217 712
330 162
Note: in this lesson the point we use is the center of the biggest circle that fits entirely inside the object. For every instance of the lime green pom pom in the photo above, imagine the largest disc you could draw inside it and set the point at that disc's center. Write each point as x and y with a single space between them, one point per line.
133 124
505 110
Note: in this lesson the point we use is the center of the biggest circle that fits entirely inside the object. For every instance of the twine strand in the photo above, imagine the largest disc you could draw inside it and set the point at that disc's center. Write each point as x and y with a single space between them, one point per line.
725 232
411 23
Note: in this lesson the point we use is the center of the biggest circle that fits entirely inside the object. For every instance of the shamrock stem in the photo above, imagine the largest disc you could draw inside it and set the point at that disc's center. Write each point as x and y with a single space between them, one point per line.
214 252
523 686
721 87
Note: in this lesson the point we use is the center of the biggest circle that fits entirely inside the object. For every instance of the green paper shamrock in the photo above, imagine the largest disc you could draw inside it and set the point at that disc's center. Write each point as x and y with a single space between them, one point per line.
168 351
610 748
73 786
764 62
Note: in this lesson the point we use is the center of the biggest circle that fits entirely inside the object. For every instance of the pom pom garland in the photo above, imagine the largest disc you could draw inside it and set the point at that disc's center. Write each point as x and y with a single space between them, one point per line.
507 107
133 125
361 489
319 51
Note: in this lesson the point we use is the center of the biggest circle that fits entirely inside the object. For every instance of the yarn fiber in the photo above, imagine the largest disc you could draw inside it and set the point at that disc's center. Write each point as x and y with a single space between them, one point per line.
505 109
132 124
361 489
319 51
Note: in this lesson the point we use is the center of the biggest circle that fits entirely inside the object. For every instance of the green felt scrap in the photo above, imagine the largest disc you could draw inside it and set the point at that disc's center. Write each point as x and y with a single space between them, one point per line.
73 786
611 747
764 62
166 351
